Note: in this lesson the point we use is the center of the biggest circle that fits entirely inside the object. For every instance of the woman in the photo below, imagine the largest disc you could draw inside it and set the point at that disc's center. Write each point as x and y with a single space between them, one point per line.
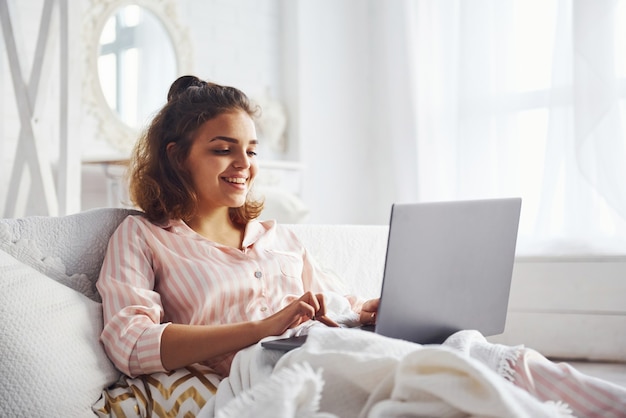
198 277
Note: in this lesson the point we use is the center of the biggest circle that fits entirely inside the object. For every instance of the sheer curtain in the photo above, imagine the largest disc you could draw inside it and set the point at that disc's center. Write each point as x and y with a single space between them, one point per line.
524 98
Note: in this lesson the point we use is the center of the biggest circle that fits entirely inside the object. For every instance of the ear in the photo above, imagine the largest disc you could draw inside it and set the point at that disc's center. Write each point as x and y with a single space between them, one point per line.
170 153
169 150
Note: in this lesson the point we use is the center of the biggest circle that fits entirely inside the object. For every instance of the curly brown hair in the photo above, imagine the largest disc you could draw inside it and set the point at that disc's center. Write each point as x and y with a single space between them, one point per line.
159 182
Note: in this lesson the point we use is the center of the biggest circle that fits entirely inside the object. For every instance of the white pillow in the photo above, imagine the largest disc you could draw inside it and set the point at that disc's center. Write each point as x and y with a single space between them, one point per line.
68 249
51 361
179 393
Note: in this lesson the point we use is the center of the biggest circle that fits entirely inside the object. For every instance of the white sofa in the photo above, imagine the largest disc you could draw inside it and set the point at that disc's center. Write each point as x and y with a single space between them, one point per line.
52 363
50 359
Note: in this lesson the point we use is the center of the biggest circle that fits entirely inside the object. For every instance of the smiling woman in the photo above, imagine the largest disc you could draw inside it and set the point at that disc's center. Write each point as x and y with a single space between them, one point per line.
175 282
201 122
221 166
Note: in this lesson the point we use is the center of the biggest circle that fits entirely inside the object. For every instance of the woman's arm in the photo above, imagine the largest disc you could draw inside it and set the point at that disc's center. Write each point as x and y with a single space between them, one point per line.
182 345
132 310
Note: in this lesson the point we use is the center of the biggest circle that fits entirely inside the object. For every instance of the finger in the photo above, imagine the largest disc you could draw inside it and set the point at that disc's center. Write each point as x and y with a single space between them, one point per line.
303 312
321 310
320 315
371 305
327 321
310 299
367 317
305 309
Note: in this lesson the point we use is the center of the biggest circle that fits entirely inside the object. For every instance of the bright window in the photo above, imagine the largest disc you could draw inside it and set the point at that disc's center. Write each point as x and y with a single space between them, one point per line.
527 98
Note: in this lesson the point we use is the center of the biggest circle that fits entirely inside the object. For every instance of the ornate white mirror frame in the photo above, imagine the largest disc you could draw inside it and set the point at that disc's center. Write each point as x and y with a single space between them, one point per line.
109 125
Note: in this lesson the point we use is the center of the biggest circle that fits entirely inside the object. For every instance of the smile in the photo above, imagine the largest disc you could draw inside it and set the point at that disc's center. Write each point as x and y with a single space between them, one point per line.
236 180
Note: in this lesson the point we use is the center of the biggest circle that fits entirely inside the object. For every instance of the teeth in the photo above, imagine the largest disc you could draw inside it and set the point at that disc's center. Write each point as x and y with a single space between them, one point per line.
237 180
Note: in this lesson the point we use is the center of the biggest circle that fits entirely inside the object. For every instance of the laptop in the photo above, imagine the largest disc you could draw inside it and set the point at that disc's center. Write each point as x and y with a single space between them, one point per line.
448 268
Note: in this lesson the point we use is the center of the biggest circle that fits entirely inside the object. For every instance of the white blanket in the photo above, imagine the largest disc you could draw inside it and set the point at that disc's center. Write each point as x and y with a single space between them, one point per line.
352 373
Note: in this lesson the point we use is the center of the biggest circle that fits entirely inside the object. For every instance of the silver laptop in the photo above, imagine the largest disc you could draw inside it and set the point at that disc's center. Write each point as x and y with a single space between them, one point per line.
448 267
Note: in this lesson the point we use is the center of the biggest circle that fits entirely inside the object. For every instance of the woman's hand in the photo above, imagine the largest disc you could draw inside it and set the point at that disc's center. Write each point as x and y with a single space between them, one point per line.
308 306
182 345
369 312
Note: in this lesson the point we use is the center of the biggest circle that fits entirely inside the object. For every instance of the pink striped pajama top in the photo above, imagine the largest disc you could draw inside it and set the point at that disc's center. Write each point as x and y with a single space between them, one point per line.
154 275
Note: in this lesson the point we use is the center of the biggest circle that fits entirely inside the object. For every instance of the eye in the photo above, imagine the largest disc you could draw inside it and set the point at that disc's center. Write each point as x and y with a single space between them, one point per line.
252 153
221 151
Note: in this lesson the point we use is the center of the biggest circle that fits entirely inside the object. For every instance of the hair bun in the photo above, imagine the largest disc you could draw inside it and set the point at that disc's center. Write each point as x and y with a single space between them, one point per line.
183 83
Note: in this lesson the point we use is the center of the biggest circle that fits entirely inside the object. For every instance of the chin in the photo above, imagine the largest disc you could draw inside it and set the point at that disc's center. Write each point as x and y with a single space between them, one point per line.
237 204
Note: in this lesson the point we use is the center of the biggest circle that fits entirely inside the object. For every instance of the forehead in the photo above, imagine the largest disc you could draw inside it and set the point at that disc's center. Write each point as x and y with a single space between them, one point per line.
235 124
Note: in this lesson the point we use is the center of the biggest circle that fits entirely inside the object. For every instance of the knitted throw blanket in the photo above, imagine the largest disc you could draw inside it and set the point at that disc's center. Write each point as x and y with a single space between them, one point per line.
352 373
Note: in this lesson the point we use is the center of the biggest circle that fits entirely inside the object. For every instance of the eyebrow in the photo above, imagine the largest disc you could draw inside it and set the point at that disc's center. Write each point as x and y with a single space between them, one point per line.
232 140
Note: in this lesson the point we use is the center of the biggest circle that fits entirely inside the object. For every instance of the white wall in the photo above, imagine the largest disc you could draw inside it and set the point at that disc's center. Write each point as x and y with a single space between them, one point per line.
236 42
345 109
334 109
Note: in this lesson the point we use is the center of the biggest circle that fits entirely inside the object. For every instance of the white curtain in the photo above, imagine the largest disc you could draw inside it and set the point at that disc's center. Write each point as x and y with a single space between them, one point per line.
522 98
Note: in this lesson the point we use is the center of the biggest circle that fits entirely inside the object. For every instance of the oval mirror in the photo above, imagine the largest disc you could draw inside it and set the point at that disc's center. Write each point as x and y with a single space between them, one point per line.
134 50
136 64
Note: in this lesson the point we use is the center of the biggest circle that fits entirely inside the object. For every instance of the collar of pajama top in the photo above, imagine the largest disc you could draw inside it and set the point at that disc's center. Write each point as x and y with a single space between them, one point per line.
254 230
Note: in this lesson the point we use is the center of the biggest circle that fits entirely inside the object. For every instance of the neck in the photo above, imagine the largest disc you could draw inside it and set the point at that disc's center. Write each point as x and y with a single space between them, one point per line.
218 227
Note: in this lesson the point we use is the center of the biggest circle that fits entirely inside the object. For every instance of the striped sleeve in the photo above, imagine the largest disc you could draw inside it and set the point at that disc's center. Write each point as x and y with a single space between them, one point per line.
132 309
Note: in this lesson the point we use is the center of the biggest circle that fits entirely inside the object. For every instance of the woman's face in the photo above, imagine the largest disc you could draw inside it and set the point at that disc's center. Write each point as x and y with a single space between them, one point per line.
222 160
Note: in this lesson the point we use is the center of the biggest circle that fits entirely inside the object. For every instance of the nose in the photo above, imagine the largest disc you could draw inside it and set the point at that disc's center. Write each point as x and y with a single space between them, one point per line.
242 160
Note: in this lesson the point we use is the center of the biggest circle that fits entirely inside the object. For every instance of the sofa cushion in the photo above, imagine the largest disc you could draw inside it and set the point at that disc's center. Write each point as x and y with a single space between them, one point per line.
68 249
51 360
